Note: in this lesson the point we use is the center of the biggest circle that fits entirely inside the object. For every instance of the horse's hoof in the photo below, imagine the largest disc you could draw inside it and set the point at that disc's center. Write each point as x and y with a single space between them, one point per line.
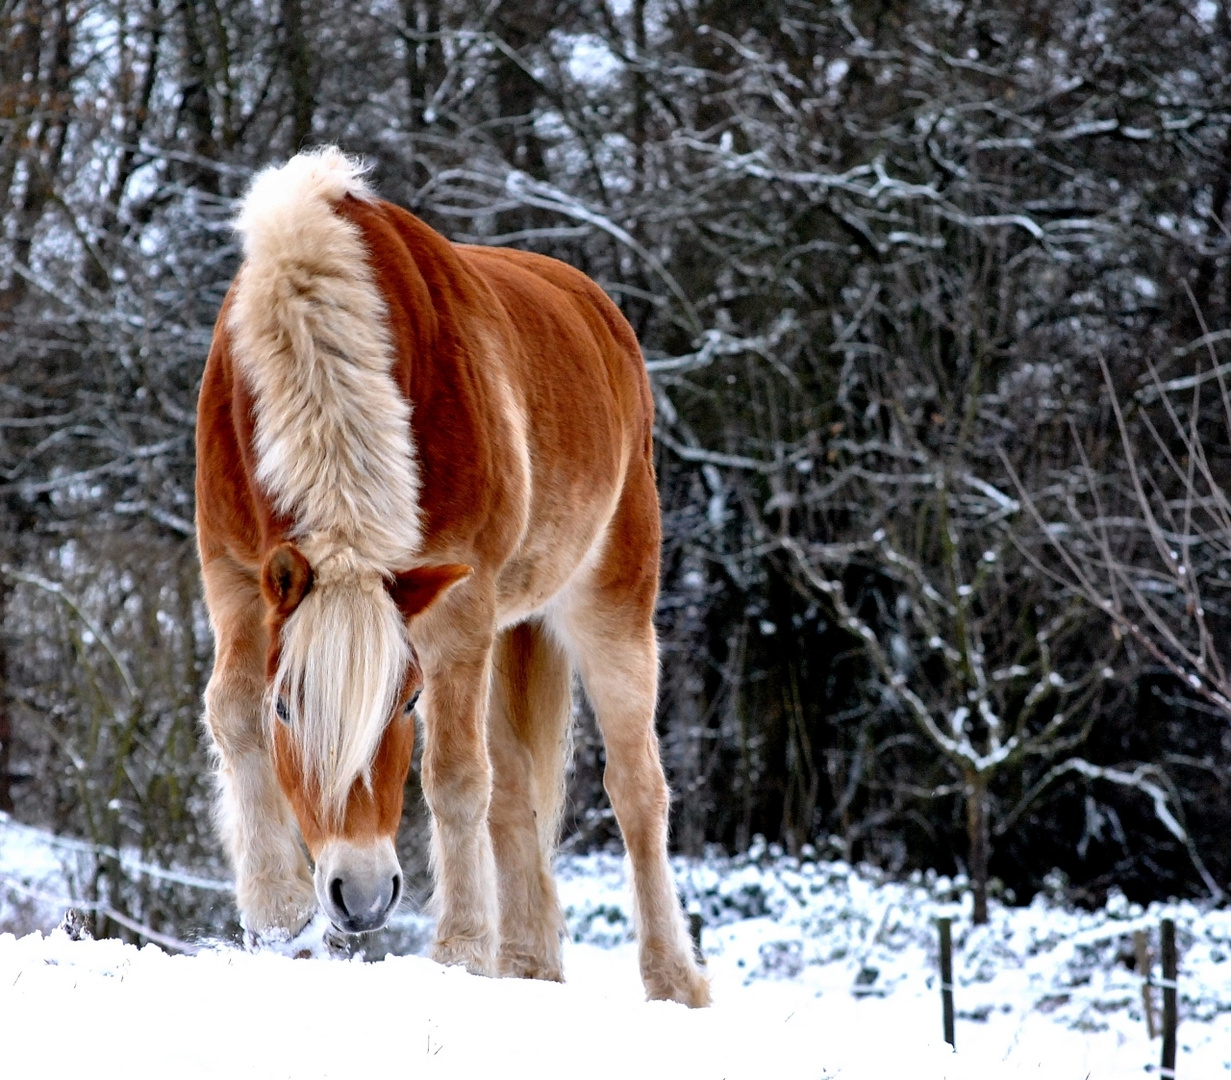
476 955
514 965
676 979
276 916
317 939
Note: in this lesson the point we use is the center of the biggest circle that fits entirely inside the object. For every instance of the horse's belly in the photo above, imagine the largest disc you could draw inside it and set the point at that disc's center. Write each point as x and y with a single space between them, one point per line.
560 542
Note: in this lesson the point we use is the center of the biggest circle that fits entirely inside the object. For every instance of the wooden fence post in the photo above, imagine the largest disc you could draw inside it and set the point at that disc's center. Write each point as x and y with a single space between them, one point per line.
1144 965
695 922
1170 1019
946 977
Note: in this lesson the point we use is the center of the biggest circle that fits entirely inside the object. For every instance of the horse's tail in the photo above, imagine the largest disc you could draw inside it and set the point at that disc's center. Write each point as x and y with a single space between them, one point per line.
534 683
309 332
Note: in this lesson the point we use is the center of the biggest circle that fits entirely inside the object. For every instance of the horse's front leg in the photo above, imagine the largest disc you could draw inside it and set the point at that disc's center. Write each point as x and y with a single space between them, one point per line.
273 884
457 782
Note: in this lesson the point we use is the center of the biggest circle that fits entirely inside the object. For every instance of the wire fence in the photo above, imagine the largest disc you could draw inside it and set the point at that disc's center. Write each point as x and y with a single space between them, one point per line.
126 860
127 863
1161 1018
1168 983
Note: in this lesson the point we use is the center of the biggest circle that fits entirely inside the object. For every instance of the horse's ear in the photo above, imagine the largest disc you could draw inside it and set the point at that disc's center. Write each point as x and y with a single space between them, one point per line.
286 578
414 591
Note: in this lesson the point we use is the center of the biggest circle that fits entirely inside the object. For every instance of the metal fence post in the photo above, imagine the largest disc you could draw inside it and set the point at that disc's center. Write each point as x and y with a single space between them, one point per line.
1170 1019
946 977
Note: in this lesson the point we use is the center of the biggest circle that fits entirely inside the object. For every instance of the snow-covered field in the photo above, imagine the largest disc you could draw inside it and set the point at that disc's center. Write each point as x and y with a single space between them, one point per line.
819 970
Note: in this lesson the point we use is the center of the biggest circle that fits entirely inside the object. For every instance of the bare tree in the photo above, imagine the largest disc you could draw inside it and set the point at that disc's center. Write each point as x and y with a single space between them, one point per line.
872 253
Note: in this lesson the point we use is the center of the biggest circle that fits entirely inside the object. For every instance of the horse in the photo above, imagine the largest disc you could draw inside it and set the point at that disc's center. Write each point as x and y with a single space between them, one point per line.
425 496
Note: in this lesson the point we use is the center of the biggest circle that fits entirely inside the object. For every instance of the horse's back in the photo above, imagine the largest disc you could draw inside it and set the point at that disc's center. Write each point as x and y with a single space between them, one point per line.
525 279
558 338
531 403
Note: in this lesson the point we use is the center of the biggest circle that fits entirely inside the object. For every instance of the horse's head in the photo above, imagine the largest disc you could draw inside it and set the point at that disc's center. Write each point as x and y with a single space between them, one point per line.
342 680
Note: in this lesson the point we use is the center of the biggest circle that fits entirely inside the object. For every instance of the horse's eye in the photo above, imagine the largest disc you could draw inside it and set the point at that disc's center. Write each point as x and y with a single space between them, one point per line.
411 702
282 710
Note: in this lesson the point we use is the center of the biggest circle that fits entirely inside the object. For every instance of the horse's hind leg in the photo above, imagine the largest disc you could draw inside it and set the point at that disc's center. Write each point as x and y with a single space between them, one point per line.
273 885
528 723
606 620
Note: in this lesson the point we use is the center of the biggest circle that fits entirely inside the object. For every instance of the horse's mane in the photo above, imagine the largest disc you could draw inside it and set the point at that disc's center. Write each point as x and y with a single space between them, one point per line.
334 453
309 333
344 654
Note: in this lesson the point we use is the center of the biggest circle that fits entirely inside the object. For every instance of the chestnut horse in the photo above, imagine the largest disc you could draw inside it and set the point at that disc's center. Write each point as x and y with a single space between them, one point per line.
425 486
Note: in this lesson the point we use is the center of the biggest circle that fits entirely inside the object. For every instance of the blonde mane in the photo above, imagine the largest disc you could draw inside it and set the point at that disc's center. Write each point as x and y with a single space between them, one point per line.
333 448
309 333
344 654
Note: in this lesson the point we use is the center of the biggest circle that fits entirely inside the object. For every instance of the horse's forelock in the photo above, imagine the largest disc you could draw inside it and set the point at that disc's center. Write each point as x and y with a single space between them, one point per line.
342 664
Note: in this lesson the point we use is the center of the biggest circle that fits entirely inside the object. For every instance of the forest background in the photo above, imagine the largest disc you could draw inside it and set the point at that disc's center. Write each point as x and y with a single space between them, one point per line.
935 299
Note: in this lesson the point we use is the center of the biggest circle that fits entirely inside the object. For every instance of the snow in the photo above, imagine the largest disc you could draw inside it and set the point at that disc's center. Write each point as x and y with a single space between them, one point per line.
820 969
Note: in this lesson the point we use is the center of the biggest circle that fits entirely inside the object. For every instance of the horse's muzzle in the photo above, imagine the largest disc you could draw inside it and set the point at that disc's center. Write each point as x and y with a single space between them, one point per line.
358 886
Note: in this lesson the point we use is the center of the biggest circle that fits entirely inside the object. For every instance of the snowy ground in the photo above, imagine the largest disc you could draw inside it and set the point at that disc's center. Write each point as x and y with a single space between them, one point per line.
819 970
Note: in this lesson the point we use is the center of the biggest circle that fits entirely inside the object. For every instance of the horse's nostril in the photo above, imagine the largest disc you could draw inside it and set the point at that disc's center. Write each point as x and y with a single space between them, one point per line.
359 900
335 894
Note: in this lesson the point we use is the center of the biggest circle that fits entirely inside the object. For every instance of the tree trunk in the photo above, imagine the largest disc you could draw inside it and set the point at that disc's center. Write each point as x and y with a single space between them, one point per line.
979 834
6 717
641 95
300 79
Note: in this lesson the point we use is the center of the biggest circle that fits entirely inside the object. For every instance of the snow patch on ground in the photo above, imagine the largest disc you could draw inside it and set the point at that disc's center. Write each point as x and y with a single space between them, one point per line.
819 969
